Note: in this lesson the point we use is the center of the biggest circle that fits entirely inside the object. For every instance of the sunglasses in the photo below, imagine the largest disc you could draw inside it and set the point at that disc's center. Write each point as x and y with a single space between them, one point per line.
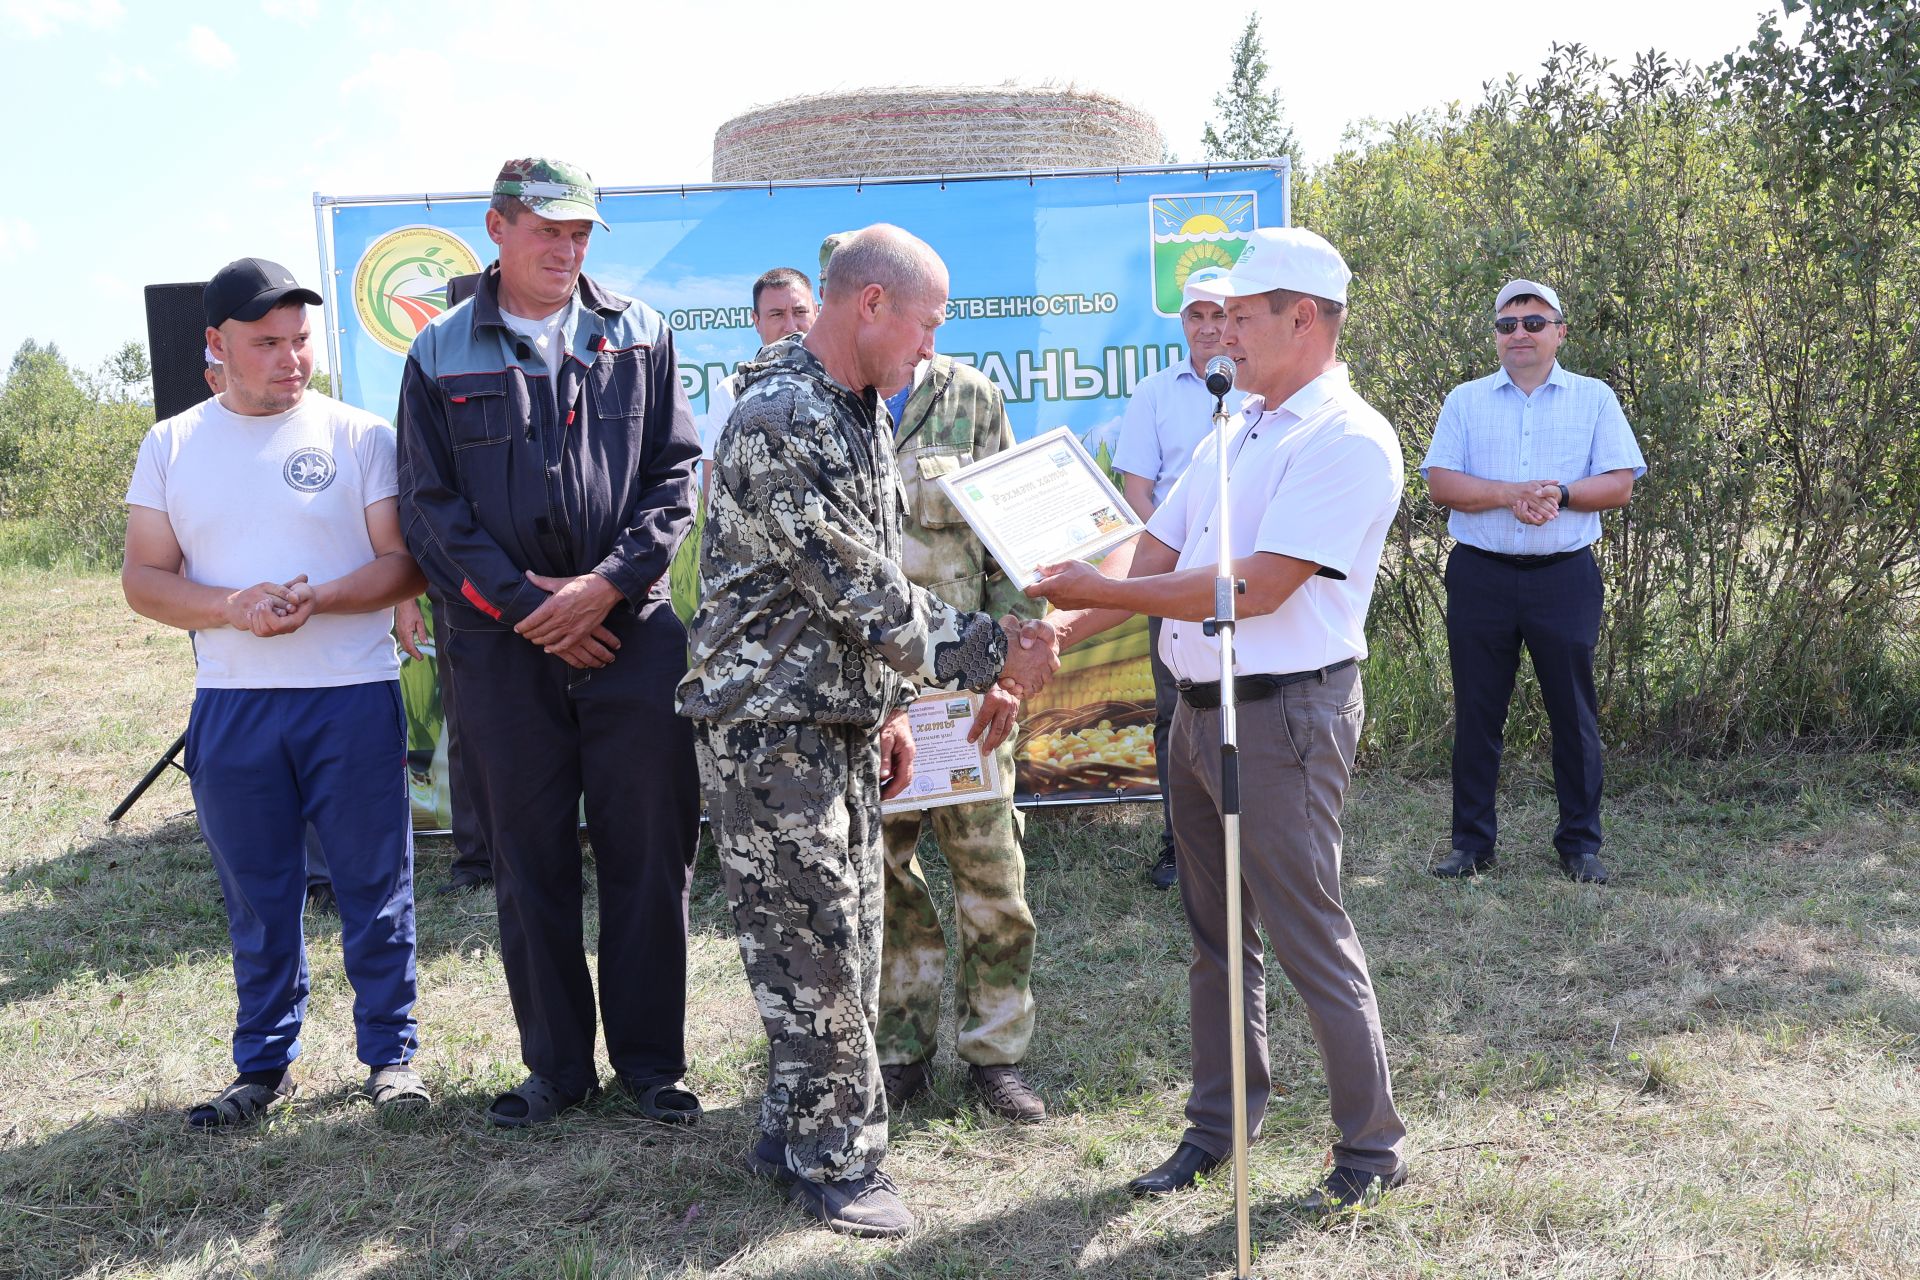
1534 324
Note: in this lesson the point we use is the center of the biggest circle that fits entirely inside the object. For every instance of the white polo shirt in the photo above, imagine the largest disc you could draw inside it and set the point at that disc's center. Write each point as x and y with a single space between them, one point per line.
1318 478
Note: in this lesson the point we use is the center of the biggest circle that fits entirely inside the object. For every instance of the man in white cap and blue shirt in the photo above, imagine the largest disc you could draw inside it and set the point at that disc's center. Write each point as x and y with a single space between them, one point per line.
1169 413
1525 460
1316 476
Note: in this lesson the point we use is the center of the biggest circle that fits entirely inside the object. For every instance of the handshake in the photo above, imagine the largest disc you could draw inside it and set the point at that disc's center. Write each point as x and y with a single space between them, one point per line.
1033 655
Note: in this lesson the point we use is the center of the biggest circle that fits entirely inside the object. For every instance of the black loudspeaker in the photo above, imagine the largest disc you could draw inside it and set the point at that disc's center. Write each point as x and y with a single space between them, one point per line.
177 347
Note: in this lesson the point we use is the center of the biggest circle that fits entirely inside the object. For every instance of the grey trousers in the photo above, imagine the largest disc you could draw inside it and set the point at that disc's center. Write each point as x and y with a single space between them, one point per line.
1296 756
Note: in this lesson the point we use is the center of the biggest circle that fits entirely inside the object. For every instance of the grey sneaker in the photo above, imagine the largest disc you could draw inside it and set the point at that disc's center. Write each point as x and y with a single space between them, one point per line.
1007 1095
904 1081
868 1206
769 1158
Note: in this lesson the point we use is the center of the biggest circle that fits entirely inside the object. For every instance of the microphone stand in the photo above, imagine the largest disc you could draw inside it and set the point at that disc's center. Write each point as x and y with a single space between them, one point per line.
1221 624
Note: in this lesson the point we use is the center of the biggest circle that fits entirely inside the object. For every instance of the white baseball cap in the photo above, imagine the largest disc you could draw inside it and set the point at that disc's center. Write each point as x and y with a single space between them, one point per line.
1283 258
1520 289
1191 293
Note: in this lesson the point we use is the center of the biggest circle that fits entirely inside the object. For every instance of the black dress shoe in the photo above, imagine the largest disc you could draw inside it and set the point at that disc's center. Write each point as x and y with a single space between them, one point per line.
1350 1188
1177 1174
1165 873
1586 868
1463 862
463 881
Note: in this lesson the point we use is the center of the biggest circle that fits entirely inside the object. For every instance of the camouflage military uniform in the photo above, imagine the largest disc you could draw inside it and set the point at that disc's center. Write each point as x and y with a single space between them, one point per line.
807 638
954 416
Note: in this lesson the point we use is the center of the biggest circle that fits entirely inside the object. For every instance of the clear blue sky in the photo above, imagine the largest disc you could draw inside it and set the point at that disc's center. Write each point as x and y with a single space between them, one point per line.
152 142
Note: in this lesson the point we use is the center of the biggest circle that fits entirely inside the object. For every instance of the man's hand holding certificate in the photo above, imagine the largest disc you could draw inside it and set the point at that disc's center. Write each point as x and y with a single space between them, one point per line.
1041 503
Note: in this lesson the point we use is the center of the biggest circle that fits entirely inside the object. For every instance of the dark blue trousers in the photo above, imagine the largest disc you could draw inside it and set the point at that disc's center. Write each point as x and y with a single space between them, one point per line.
1492 609
265 763
539 735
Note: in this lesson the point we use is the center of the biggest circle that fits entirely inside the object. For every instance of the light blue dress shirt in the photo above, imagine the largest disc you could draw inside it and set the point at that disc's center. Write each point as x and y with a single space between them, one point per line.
1569 428
1168 415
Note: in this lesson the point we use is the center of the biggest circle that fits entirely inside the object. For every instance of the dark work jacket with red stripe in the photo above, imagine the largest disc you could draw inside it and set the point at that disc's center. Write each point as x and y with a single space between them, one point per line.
499 475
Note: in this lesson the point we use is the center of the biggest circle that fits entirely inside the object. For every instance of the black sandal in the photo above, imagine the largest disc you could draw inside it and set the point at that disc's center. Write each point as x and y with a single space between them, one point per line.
669 1102
543 1101
241 1104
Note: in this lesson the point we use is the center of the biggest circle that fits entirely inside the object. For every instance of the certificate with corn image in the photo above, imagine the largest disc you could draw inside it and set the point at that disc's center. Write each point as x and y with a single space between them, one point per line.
947 769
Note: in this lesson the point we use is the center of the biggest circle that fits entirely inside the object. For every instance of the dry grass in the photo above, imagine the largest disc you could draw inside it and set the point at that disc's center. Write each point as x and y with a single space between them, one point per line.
1707 1070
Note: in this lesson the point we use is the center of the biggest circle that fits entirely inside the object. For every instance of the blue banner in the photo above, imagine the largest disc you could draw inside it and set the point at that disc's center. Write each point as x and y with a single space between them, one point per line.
1065 289
1065 292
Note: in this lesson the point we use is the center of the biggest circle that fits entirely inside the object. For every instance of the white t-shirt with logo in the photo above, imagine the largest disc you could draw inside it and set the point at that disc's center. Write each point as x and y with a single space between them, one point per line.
261 500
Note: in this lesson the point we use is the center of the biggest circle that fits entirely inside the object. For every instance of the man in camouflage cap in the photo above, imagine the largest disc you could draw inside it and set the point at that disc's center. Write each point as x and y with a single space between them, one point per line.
806 650
546 459
949 415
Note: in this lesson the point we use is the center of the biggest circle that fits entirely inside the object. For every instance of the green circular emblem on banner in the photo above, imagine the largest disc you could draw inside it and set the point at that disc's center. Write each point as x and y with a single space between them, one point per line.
401 282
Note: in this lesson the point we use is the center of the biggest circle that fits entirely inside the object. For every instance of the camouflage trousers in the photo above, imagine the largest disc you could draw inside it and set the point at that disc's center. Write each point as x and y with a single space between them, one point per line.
795 812
993 999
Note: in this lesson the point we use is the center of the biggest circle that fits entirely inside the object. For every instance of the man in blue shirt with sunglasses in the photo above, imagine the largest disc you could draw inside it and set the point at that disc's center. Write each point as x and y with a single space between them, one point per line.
1525 460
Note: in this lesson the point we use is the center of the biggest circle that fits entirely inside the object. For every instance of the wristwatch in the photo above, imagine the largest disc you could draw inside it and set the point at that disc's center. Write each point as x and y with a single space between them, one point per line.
1566 498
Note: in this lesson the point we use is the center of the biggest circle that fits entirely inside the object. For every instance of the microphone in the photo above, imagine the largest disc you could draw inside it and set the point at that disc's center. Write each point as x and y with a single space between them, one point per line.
1219 375
525 352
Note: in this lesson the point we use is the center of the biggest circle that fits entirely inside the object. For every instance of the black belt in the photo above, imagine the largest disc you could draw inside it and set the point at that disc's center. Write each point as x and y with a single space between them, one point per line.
1203 696
1524 562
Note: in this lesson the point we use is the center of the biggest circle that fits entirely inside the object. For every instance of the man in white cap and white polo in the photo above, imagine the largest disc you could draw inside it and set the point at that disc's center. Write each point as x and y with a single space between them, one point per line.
1525 460
1168 414
1316 476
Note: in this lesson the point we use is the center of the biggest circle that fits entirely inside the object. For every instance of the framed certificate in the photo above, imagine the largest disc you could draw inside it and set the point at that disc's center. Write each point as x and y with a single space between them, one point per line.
1039 503
947 769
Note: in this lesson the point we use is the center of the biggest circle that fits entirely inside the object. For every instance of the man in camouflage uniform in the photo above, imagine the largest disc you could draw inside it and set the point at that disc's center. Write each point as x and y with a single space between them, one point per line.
808 644
949 415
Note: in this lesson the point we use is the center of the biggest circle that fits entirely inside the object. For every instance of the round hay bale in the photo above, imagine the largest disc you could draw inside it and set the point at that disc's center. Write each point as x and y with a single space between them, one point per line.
932 131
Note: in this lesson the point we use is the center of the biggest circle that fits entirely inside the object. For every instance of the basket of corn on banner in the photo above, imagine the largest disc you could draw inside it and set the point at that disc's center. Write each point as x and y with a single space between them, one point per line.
1091 729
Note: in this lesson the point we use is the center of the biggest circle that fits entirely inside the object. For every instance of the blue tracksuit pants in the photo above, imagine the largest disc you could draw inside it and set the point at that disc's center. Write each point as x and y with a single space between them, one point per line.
264 764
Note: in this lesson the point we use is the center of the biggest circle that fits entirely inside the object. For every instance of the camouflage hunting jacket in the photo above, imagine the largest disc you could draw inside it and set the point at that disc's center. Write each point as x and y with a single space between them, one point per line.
953 417
805 613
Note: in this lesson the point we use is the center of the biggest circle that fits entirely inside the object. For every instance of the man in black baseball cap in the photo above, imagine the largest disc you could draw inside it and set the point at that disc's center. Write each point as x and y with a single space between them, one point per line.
248 288
297 721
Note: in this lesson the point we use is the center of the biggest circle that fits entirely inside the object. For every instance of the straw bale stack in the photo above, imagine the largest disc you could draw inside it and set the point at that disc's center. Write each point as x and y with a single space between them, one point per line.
914 131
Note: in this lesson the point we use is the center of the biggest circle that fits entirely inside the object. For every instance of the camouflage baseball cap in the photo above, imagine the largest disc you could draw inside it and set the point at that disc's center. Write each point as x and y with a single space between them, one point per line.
827 247
551 188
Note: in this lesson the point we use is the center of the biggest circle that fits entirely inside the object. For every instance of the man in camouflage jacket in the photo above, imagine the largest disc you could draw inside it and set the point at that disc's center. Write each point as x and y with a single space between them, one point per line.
808 644
953 416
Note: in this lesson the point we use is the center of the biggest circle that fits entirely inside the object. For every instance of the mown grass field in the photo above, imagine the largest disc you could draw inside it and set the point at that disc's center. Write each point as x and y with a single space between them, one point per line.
1711 1068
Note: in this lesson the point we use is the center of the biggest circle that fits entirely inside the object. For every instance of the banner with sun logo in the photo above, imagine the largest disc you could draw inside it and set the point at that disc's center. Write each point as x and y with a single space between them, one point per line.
1195 230
1057 298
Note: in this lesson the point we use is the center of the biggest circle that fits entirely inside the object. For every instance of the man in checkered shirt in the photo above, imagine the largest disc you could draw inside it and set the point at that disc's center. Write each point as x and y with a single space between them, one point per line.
1525 460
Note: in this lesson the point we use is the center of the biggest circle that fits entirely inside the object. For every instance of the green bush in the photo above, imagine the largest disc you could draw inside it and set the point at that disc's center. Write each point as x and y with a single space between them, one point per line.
67 448
1744 277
